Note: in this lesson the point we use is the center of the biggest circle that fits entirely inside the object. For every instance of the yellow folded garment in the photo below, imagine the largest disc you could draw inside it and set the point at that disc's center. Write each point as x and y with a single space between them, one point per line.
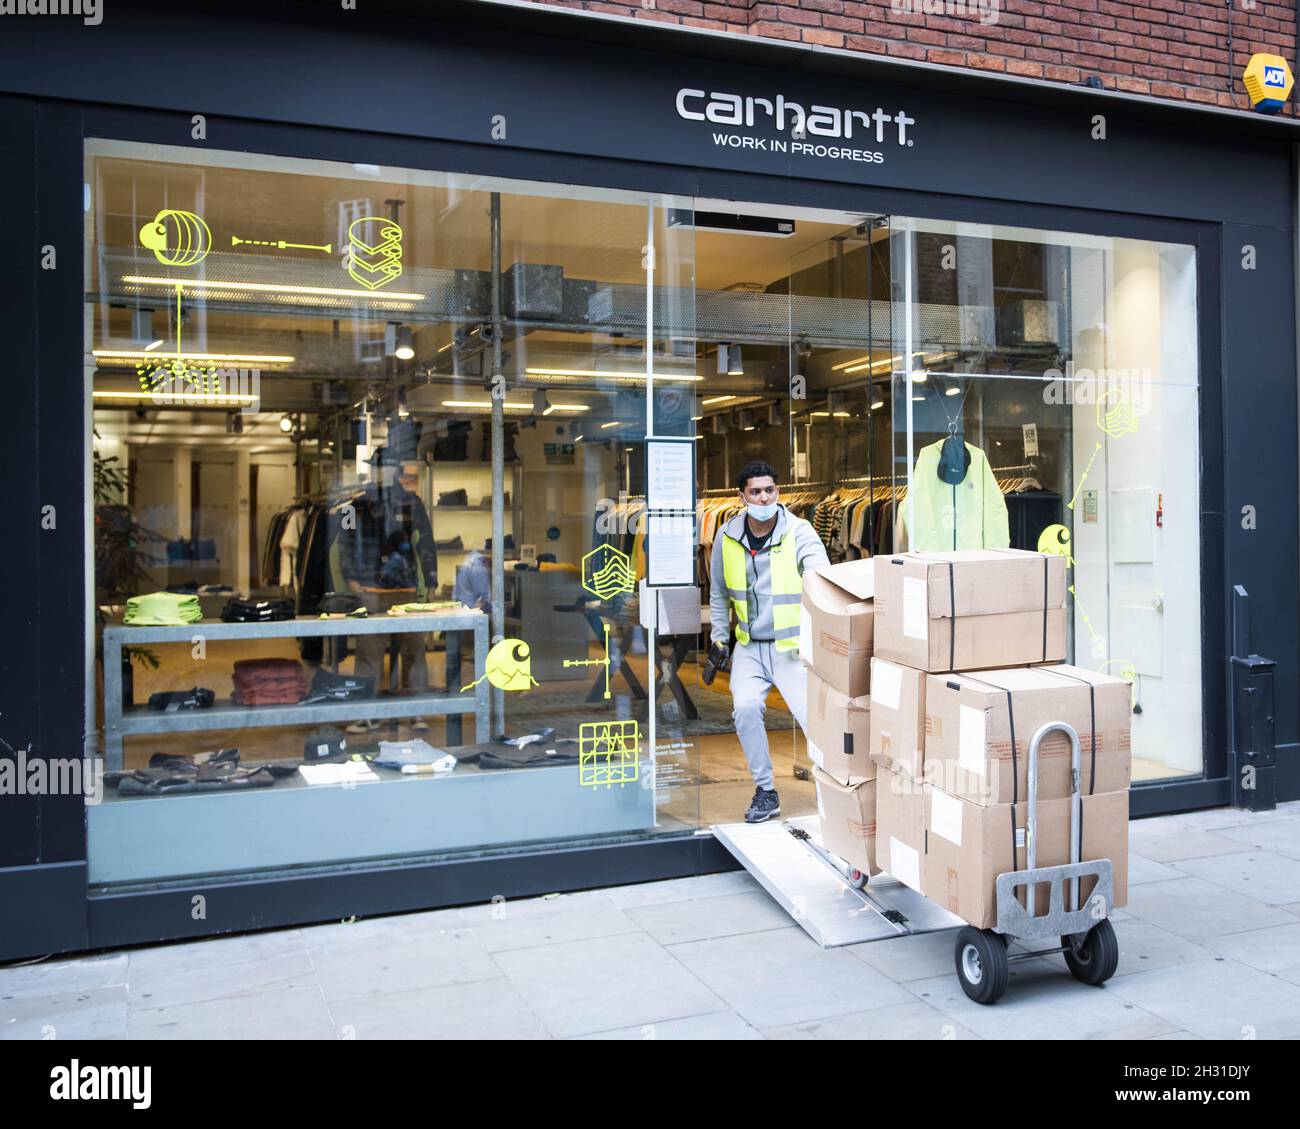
556 566
423 609
163 609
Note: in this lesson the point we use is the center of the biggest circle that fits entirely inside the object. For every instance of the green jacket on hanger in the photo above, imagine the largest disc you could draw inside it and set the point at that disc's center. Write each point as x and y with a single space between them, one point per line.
969 515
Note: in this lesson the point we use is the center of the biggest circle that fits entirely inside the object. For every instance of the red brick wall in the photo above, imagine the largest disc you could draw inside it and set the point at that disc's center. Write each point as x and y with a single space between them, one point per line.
1175 49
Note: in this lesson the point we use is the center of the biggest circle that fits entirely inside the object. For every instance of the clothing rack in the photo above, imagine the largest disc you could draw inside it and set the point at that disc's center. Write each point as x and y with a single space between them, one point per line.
1009 469
793 486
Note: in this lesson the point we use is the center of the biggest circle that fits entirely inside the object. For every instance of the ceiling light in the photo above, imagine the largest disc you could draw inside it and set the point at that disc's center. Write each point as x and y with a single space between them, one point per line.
609 374
286 424
541 405
612 423
273 288
874 366
513 407
239 358
735 367
716 399
876 404
953 392
696 419
919 376
749 428
405 343
165 399
846 364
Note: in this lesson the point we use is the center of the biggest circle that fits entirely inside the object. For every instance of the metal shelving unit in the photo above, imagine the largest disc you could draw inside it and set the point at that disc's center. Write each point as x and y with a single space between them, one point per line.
120 722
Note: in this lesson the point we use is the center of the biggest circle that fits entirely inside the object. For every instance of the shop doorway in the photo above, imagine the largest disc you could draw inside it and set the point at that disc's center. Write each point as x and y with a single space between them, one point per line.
793 325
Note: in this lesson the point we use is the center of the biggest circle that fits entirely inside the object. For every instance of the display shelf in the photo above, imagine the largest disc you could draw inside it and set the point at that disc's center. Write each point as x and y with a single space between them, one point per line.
227 714
119 722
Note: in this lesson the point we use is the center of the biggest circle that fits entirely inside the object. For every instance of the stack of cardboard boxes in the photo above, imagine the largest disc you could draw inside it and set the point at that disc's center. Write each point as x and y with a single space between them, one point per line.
965 653
835 635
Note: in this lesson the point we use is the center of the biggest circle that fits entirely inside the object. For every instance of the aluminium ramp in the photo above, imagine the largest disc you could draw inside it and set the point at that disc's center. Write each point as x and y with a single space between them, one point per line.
812 885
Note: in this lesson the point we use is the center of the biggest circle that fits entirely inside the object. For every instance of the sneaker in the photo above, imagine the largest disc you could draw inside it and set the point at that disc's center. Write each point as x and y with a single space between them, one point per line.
765 804
363 726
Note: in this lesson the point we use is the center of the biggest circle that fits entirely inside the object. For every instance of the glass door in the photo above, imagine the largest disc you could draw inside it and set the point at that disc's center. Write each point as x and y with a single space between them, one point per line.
838 353
1066 365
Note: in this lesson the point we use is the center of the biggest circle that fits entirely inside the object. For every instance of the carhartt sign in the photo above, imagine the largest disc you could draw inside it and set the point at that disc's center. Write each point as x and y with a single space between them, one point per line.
803 124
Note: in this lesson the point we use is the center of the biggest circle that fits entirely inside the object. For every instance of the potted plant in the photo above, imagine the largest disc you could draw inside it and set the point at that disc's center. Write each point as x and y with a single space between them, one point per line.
120 561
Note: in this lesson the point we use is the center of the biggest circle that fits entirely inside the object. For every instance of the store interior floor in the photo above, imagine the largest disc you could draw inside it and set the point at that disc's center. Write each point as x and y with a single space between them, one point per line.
725 786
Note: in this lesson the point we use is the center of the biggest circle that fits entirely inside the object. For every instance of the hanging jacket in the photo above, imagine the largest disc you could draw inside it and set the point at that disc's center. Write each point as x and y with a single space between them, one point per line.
381 522
969 515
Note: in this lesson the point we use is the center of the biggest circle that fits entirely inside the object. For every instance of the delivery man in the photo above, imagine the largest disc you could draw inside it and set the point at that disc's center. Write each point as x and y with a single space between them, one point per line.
759 558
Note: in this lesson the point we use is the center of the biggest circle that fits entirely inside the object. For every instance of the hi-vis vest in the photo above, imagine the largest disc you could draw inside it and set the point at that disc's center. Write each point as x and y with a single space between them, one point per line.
787 588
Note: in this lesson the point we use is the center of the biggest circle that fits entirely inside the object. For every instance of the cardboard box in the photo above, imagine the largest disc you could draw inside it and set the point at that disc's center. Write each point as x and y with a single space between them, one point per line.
839 732
848 818
836 622
974 609
970 720
897 717
900 827
967 845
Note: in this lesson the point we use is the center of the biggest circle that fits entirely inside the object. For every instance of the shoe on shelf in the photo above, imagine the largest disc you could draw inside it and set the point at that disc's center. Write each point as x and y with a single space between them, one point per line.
363 727
765 804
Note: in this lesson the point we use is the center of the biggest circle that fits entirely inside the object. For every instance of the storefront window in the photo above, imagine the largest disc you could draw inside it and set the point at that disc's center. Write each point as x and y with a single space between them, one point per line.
1045 398
366 444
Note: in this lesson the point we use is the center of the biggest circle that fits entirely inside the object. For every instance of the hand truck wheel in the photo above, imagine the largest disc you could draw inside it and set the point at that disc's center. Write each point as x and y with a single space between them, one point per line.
858 878
1093 957
982 966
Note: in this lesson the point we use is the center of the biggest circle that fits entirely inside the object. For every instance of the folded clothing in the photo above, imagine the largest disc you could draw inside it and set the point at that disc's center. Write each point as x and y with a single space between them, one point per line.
196 760
326 686
269 682
423 609
218 771
157 781
162 609
530 756
396 754
171 701
238 610
344 602
325 744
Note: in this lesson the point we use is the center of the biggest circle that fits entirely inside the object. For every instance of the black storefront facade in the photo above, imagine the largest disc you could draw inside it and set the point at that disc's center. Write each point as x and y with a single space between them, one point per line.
543 98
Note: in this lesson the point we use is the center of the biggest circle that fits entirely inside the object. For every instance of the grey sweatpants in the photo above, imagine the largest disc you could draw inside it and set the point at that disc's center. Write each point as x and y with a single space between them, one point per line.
755 669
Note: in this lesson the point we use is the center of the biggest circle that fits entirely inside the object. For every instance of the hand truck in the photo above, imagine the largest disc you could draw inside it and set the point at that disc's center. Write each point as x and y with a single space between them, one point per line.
1086 937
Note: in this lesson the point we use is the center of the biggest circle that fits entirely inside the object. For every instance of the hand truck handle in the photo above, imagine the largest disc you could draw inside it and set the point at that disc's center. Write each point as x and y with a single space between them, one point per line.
1076 802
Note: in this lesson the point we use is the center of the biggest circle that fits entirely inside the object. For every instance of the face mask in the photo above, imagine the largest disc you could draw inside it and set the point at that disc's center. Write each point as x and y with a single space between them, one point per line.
761 513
